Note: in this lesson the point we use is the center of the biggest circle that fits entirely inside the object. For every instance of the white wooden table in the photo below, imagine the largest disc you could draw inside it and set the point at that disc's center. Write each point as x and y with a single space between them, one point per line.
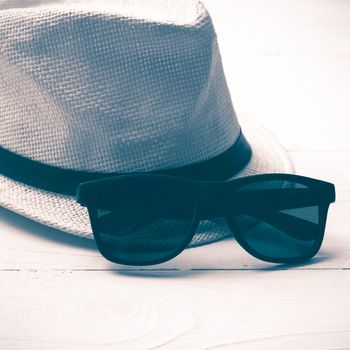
288 64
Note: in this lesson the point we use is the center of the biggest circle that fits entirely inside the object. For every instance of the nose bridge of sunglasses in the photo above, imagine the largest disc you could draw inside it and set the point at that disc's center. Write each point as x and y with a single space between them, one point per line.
211 201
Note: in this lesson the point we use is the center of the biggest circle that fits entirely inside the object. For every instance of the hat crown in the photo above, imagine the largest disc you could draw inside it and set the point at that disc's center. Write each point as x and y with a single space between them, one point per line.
113 89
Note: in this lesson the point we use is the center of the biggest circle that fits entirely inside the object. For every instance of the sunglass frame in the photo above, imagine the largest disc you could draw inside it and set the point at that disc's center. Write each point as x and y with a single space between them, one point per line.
100 193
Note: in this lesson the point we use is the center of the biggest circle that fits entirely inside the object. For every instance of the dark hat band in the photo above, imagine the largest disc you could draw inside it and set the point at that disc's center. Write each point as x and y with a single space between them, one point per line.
65 181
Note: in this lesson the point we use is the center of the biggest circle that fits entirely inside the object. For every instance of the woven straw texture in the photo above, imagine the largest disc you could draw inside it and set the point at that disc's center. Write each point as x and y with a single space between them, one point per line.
87 89
115 86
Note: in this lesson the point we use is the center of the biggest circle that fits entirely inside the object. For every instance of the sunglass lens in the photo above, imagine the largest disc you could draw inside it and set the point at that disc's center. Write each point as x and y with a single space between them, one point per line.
277 220
145 226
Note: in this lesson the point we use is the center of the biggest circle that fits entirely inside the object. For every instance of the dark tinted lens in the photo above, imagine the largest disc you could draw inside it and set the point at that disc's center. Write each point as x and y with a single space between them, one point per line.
145 226
277 219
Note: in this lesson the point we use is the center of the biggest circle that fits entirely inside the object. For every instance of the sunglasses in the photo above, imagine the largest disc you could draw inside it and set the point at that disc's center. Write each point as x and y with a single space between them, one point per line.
148 219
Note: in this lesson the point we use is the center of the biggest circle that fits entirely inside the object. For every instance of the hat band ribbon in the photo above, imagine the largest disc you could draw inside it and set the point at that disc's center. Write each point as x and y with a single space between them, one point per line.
65 181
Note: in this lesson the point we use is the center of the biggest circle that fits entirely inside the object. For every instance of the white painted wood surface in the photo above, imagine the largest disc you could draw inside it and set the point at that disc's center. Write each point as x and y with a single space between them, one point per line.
288 64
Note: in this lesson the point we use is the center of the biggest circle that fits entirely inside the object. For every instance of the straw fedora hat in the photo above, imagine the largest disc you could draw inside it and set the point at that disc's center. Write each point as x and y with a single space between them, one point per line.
90 89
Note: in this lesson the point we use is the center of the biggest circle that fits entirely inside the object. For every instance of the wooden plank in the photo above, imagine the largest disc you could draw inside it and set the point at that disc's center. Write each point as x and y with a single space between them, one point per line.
28 245
175 310
41 248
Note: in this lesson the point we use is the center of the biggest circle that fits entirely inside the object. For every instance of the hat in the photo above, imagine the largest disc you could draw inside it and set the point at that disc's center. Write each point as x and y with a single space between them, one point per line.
90 89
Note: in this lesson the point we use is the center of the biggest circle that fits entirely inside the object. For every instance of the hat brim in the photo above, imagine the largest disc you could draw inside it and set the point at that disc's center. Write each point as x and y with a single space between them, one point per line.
65 214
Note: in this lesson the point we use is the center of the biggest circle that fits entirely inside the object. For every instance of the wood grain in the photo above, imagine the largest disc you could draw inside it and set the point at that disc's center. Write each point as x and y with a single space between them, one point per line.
288 65
176 310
